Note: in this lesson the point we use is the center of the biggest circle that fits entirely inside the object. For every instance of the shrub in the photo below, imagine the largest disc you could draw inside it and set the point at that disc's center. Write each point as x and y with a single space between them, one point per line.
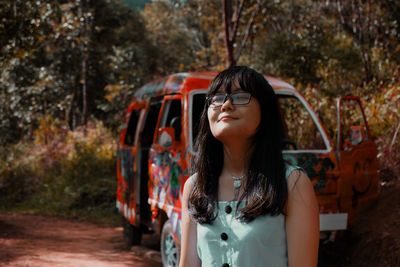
61 172
389 154
18 179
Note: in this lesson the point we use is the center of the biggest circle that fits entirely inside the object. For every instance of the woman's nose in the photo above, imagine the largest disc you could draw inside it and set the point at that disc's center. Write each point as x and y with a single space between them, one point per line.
227 105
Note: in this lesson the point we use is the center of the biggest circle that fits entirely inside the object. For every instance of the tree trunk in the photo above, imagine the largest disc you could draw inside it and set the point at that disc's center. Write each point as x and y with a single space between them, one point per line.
227 17
86 35
84 87
358 25
232 26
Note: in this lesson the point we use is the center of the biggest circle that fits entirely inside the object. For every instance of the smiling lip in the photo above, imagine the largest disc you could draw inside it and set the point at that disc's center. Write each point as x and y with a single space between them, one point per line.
225 118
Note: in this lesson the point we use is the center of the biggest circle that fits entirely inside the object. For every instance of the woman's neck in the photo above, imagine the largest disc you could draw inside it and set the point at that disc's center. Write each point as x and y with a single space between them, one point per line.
236 158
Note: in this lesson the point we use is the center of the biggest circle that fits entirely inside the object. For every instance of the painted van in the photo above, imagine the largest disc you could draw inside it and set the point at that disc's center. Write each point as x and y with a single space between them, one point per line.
156 145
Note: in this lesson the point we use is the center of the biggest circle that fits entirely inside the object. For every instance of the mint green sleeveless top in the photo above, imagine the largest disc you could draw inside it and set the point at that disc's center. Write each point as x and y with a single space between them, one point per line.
228 242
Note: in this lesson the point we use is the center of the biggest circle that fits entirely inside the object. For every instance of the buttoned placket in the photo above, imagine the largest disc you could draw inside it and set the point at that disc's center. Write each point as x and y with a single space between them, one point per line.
226 240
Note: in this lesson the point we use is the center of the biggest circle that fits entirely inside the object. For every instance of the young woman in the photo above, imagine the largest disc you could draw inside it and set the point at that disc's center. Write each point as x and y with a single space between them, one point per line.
244 206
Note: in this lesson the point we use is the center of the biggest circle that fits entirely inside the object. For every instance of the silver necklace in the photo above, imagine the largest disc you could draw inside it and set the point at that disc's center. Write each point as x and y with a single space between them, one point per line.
237 183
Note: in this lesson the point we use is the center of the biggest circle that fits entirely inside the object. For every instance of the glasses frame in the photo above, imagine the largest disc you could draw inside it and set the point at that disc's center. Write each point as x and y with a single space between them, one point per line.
227 96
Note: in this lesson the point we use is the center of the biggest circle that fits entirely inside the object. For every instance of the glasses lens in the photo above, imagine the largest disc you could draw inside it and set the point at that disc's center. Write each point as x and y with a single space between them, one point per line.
240 98
217 100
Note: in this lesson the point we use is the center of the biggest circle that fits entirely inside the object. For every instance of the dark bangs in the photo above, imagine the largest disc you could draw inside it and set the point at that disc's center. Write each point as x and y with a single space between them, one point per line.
227 78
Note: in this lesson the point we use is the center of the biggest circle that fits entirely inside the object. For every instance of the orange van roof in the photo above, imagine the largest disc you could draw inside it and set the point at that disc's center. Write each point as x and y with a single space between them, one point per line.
175 83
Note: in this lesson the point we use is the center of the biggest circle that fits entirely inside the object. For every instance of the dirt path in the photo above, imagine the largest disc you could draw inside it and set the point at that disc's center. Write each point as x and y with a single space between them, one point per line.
375 238
31 240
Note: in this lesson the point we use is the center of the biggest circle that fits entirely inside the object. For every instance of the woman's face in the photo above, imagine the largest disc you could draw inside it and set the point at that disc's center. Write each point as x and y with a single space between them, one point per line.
234 122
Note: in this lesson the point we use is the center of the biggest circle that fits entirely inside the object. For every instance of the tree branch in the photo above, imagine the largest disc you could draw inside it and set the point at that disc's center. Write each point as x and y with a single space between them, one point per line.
249 27
238 13
227 17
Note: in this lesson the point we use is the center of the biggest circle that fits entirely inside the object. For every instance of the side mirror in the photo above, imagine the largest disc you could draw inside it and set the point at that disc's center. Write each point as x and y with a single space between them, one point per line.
355 136
176 124
166 137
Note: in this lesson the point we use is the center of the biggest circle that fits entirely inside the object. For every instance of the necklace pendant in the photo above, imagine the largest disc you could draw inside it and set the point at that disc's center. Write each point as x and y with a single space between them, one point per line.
237 183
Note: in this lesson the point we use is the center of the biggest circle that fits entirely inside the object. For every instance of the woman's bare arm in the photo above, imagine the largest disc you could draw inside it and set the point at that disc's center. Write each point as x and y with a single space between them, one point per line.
302 221
189 255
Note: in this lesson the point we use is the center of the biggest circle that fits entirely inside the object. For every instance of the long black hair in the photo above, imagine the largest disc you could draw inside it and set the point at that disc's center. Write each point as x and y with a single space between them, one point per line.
265 188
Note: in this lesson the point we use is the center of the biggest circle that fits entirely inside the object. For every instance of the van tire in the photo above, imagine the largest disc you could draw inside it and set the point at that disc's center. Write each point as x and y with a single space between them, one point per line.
170 250
132 234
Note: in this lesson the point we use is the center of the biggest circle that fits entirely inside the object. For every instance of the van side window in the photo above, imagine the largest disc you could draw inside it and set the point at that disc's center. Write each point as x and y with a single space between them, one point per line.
302 131
146 137
172 116
130 132
172 109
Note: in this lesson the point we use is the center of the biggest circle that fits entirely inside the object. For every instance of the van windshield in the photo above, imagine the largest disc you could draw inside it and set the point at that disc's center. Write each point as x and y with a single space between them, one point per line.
302 132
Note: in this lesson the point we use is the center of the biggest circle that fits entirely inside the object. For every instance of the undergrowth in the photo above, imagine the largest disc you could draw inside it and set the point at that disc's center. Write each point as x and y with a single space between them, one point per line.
65 173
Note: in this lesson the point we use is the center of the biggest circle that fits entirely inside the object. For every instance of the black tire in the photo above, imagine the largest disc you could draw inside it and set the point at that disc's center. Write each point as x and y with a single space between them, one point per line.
132 234
170 250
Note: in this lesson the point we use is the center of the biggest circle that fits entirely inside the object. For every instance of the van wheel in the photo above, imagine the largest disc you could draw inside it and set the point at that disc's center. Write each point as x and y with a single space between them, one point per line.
170 250
132 234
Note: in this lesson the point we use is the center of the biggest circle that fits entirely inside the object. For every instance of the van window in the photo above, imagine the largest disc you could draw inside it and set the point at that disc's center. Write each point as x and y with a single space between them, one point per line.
354 129
150 124
172 116
130 132
300 126
172 110
198 101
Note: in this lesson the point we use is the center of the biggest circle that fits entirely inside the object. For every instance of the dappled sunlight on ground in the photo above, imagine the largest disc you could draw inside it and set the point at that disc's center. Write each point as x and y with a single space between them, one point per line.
30 240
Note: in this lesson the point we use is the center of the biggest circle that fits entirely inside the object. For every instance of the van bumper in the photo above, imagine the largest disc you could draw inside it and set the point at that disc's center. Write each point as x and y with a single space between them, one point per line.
332 221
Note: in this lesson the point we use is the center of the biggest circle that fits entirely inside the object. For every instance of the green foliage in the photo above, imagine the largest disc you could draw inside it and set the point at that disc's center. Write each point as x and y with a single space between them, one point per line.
389 154
382 108
64 172
169 30
17 175
52 48
47 42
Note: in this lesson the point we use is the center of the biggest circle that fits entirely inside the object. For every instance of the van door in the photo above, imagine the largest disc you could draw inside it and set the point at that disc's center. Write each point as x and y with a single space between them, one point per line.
307 145
126 158
357 154
165 159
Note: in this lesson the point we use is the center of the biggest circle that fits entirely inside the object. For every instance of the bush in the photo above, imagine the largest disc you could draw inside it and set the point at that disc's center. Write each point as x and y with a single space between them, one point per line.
62 172
17 177
389 154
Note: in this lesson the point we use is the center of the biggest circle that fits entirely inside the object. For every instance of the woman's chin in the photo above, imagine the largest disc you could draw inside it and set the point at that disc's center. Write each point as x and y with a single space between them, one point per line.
227 136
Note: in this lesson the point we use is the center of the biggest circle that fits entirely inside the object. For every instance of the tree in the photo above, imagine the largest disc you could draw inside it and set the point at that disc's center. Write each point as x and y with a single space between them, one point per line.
169 32
356 19
231 27
57 54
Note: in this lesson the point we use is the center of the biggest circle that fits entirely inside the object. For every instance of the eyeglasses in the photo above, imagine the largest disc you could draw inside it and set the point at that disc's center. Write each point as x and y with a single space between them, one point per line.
238 98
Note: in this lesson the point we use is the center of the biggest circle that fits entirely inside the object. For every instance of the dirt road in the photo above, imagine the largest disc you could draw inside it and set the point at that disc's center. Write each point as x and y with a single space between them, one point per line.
374 240
31 240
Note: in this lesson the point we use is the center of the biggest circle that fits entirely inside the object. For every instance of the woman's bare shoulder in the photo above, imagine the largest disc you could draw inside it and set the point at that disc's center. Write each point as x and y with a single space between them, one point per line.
188 186
298 179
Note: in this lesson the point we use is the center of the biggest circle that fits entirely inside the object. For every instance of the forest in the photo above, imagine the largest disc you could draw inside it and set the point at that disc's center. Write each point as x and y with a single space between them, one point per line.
69 69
